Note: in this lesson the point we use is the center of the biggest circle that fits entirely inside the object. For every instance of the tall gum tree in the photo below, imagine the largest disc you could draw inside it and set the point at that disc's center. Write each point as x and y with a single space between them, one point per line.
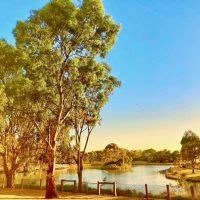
190 149
98 85
19 144
56 39
17 135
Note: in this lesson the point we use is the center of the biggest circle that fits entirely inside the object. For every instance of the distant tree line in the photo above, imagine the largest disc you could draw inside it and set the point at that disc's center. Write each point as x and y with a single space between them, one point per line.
188 156
149 155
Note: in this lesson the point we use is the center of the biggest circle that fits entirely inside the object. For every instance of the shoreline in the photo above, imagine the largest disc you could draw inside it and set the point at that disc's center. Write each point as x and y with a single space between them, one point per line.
178 173
146 163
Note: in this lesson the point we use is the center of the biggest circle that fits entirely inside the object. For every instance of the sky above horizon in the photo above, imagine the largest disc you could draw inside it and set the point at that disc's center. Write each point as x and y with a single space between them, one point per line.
156 57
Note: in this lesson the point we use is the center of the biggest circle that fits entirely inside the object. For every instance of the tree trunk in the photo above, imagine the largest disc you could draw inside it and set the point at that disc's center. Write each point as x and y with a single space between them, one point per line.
10 179
193 166
51 190
80 172
10 173
80 183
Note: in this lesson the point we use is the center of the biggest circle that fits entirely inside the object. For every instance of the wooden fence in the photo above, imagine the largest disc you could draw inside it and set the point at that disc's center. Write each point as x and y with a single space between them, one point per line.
64 180
107 183
99 184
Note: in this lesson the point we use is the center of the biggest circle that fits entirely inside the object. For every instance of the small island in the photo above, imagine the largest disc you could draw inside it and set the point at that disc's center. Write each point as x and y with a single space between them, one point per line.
117 165
116 158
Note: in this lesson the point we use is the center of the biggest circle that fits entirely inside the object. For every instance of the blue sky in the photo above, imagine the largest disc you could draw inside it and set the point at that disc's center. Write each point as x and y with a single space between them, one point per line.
157 59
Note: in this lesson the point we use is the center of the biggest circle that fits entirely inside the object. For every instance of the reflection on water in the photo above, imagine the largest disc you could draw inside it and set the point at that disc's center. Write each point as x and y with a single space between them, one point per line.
135 179
140 175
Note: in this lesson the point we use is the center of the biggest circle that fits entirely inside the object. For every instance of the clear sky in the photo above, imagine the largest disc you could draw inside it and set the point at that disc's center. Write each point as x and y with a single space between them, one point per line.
157 59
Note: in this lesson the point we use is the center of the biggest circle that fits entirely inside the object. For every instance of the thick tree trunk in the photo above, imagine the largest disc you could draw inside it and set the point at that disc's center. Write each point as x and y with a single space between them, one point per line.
10 178
51 190
10 173
80 172
80 179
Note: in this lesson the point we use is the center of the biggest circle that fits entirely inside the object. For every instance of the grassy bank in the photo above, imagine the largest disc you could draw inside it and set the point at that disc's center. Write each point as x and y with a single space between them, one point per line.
177 173
88 192
148 163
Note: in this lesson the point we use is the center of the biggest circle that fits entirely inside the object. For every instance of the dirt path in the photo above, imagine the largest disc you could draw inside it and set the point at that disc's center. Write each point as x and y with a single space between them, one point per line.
7 193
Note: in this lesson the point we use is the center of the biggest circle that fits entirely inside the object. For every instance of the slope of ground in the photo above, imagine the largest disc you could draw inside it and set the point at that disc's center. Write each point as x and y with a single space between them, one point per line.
7 193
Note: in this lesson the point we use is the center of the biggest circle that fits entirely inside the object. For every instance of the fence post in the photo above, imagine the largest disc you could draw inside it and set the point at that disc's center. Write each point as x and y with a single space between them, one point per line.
192 191
147 193
115 189
40 184
168 193
98 188
22 184
3 183
74 186
61 185
87 187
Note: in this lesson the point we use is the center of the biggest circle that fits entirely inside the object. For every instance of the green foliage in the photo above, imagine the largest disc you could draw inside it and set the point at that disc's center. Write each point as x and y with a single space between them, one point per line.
115 157
112 154
147 155
113 165
52 75
61 42
165 156
190 149
118 162
93 157
189 137
19 143
11 62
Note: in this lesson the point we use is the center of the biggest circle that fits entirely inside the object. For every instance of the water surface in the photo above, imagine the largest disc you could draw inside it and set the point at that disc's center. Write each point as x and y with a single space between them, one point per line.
140 175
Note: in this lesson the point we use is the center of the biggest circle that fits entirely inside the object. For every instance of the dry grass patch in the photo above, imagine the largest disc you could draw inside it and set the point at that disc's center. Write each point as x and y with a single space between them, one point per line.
8 193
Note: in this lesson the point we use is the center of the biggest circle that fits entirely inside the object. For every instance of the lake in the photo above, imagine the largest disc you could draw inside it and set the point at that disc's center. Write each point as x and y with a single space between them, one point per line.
135 179
139 175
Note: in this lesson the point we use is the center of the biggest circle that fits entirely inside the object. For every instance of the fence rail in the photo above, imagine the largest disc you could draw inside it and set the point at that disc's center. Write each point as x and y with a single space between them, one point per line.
146 191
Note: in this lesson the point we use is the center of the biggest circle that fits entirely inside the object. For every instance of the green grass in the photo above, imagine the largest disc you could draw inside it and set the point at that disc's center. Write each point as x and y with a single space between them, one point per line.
28 186
149 163
194 179
66 188
120 192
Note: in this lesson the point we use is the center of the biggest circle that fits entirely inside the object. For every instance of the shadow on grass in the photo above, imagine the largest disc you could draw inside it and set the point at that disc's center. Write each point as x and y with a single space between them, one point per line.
120 192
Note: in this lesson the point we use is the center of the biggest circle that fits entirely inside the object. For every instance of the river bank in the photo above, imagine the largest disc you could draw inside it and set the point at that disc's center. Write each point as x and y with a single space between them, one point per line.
178 173
148 163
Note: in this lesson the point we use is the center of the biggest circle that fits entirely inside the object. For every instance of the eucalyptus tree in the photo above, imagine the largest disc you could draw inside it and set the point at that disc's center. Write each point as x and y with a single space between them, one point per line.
116 158
18 139
11 62
58 39
19 144
190 149
98 85
113 153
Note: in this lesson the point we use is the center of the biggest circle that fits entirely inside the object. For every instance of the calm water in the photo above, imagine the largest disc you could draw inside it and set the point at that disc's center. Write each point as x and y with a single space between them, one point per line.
134 180
140 175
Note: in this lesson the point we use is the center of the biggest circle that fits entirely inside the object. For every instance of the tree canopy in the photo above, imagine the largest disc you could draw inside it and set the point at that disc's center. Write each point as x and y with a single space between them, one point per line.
190 149
59 83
